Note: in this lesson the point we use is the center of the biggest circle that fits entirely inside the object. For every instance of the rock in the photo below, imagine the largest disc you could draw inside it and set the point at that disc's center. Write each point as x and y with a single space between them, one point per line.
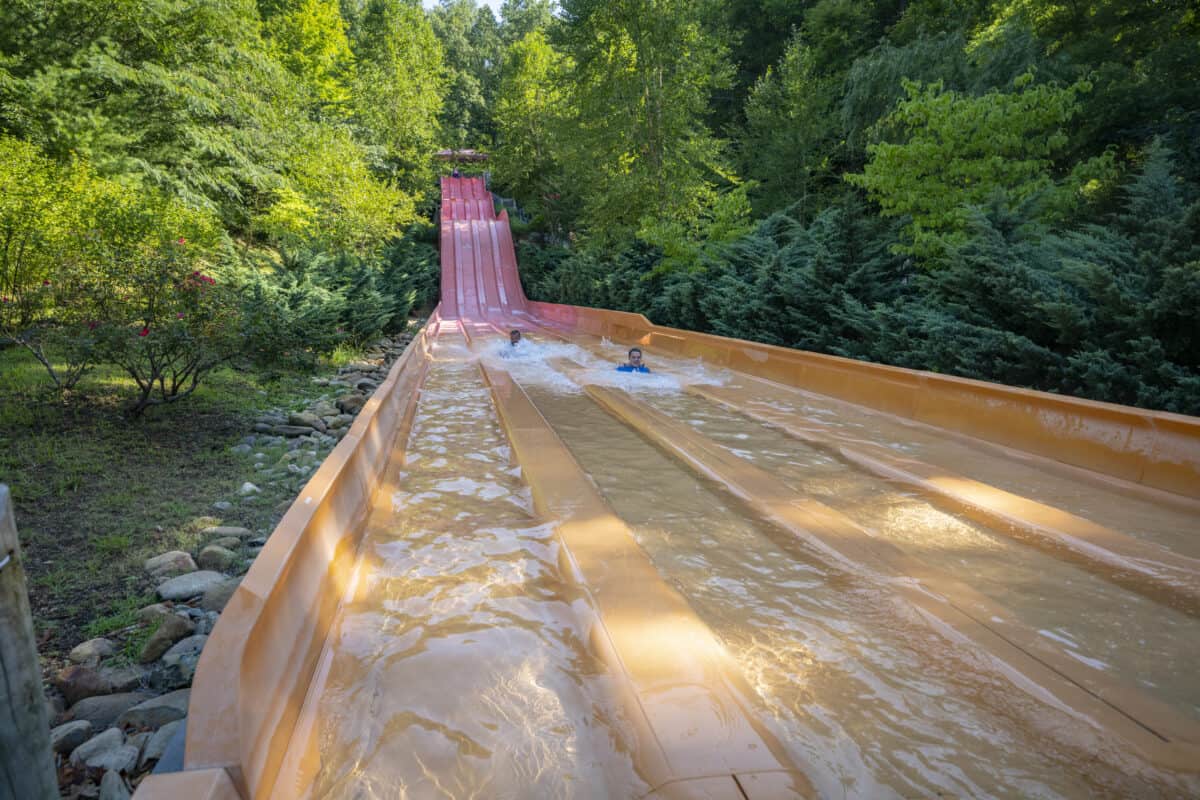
248 488
107 751
242 449
228 542
175 562
307 419
103 710
139 740
152 613
351 403
157 744
341 421
69 735
188 586
79 681
124 679
184 655
291 431
324 408
223 531
112 787
91 651
217 558
366 385
170 630
157 711
222 505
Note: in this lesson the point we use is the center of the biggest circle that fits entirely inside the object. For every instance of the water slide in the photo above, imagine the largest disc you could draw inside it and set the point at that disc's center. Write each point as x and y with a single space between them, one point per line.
753 573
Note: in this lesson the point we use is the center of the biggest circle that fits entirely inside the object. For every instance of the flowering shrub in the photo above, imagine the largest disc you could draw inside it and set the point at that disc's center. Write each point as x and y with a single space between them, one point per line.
170 321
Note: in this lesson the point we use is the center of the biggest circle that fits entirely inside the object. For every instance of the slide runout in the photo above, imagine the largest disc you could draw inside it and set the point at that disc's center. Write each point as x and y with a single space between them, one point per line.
1156 449
1147 568
696 736
1142 567
1163 736
1109 483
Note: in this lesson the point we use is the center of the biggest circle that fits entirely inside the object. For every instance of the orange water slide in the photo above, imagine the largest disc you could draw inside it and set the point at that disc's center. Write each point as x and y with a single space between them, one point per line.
693 726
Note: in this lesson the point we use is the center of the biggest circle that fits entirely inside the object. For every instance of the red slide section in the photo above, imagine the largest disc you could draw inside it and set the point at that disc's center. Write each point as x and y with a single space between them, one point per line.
479 264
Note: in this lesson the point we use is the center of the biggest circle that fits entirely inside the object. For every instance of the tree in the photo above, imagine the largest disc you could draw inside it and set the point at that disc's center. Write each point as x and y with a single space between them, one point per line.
309 38
960 151
530 107
637 143
471 43
398 94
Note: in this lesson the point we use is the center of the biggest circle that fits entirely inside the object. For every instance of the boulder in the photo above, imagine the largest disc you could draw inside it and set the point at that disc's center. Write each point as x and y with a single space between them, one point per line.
351 403
222 505
245 448
324 408
124 679
216 558
291 431
156 745
103 710
228 542
156 712
175 562
184 655
91 651
170 630
248 488
307 419
341 421
366 385
216 597
151 614
185 587
108 751
79 681
112 787
69 735
227 531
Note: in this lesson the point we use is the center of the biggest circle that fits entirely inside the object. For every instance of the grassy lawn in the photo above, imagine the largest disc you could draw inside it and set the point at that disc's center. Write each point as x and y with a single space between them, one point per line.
96 493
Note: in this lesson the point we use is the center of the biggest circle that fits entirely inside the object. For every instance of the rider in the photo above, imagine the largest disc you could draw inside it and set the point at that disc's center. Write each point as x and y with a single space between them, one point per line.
635 362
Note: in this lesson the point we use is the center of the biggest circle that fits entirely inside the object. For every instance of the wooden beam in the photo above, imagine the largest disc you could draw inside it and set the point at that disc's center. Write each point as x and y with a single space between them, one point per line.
26 766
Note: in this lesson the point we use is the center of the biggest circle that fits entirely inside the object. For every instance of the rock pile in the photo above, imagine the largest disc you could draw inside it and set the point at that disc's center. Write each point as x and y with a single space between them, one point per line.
114 713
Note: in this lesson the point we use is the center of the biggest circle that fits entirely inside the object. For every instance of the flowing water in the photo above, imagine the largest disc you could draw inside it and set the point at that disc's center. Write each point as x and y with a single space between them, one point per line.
868 697
1088 618
458 667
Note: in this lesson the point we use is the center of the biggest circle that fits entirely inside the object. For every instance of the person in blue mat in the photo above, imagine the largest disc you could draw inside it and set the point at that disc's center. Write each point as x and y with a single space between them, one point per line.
635 362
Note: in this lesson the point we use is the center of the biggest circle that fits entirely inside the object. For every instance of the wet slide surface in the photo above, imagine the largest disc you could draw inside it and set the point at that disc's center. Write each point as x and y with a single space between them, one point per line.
688 590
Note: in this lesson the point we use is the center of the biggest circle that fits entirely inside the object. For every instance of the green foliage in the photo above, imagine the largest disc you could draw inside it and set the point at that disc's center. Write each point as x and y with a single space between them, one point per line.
961 151
637 138
398 92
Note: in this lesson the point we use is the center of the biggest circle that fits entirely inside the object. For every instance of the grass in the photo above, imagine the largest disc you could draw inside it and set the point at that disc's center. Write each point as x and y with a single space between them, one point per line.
97 493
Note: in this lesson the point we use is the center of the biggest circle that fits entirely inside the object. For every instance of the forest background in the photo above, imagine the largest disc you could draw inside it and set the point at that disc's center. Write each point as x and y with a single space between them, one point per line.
1000 190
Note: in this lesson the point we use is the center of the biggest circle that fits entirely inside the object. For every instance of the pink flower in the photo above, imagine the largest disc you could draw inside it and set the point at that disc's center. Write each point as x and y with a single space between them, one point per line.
179 315
45 283
181 240
144 331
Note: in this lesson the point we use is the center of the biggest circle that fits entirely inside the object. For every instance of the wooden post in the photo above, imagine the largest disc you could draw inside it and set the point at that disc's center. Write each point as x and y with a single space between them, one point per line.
26 766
